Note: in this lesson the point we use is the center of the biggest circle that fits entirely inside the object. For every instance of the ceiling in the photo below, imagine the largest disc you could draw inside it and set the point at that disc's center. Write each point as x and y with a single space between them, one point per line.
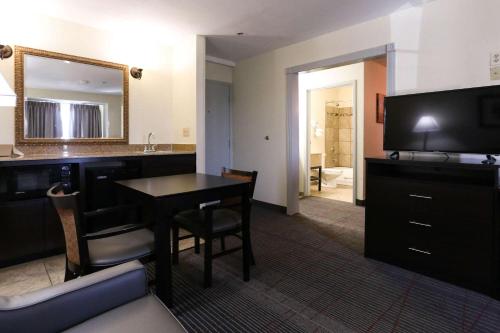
267 24
53 74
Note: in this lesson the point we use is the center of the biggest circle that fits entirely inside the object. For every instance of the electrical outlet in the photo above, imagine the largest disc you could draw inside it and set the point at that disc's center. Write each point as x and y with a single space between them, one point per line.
185 132
495 73
495 59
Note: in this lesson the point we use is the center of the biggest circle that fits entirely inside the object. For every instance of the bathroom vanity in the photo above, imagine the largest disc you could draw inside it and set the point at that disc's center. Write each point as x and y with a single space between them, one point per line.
29 226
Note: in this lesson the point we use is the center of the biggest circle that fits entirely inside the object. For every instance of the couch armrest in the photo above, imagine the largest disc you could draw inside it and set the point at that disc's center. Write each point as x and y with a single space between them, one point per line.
65 305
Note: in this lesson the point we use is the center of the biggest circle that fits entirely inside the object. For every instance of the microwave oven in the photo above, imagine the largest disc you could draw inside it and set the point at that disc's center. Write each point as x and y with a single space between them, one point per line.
28 182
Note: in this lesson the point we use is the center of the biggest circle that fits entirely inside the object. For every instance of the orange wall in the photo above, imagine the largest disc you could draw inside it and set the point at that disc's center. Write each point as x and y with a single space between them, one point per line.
375 82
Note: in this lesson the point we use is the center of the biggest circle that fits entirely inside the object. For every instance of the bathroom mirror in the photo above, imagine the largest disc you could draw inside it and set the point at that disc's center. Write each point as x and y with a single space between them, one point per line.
69 99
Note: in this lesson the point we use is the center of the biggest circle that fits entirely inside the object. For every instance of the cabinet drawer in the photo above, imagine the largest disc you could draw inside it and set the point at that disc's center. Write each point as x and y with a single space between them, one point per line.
385 218
466 201
418 236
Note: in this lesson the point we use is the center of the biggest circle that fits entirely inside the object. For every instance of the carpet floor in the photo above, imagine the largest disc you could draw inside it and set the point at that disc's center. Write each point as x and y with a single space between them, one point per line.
310 279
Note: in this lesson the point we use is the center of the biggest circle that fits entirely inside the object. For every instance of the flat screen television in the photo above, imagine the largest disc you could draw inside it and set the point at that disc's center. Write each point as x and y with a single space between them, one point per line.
454 121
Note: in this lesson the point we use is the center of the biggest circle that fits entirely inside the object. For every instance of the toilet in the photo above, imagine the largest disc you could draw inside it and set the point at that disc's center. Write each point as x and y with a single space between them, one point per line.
331 177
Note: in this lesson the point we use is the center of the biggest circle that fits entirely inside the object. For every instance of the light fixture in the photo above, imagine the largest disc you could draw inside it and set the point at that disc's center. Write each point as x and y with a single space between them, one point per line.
5 51
136 73
7 95
317 130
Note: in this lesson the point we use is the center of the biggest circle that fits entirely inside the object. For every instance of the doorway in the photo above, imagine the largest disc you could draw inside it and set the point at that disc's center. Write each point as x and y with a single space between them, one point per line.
217 126
331 143
294 149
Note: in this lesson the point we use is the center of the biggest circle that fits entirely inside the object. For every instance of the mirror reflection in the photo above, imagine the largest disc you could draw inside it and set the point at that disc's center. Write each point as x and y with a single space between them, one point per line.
71 100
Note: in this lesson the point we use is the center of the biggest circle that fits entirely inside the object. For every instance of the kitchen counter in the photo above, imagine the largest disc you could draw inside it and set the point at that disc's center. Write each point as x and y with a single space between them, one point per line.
78 157
30 226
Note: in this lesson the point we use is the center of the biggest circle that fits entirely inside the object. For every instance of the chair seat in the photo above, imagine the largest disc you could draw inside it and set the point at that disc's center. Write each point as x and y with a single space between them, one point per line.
222 220
121 248
145 315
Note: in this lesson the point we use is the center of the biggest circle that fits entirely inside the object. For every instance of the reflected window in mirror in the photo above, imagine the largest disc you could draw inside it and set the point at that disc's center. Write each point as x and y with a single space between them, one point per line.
63 119
70 99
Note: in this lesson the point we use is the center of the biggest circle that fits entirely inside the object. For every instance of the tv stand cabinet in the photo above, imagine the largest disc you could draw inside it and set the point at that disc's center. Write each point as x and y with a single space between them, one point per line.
438 218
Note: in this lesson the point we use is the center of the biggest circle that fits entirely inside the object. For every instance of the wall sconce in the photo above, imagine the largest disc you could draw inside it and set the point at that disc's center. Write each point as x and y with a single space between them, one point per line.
7 95
5 51
136 73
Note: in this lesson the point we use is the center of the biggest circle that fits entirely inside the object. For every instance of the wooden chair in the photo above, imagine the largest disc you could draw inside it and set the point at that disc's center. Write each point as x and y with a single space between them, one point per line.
212 222
89 252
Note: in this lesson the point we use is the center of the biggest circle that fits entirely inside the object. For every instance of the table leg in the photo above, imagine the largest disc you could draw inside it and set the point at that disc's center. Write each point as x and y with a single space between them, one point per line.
319 180
163 254
245 233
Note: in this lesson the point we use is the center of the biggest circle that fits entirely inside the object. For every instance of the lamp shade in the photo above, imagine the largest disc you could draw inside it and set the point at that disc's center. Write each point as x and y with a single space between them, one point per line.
7 95
426 124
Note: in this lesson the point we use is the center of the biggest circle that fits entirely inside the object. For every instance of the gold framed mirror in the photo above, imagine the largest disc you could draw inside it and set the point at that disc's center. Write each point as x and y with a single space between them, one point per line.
66 99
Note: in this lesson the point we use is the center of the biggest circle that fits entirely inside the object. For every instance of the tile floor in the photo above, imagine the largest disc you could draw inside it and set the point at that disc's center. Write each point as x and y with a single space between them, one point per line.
340 193
38 274
31 276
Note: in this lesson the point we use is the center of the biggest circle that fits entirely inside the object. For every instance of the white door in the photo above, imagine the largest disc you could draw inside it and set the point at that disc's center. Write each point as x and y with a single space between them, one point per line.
217 127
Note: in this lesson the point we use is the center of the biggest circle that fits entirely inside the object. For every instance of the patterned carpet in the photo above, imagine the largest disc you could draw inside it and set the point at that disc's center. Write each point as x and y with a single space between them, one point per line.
308 280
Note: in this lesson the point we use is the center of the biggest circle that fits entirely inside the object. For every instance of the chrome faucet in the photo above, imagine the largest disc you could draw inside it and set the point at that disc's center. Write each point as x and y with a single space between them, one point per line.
150 148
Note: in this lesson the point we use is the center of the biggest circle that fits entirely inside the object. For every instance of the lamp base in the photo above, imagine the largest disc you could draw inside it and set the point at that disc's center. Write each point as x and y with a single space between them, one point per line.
394 155
490 160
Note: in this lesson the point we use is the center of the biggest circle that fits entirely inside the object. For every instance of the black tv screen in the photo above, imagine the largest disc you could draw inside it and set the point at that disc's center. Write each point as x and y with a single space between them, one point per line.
455 121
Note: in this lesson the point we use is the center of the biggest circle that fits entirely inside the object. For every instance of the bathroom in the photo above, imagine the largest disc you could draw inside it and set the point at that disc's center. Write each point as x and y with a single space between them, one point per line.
331 143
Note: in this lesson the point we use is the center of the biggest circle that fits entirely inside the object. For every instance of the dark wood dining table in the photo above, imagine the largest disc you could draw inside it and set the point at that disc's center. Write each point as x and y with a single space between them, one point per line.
162 197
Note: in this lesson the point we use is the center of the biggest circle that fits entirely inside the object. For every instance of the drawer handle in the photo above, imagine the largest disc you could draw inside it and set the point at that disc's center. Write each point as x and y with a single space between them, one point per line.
419 251
102 177
420 224
420 196
20 193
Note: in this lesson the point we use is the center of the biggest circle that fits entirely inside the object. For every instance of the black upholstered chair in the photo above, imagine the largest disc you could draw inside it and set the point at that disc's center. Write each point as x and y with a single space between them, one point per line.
114 300
214 221
90 252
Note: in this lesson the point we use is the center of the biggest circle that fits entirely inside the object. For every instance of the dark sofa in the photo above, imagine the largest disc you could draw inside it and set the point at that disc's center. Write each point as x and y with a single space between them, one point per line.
112 300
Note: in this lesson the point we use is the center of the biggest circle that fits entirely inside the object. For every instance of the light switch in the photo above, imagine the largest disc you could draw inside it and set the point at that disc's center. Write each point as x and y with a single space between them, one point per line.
495 73
185 132
495 59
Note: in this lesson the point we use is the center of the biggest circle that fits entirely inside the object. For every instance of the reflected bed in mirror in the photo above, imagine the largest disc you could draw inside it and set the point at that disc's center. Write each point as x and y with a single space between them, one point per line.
69 99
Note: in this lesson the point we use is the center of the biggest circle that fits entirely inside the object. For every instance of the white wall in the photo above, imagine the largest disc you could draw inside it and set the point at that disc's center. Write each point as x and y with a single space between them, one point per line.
331 78
200 103
443 44
164 101
184 93
218 72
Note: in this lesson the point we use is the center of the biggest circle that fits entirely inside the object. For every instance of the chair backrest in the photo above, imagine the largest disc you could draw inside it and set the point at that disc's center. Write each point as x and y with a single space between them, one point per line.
70 216
250 176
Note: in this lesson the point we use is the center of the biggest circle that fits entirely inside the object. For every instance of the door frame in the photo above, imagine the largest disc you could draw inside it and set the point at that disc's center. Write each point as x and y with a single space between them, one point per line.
229 85
292 108
354 149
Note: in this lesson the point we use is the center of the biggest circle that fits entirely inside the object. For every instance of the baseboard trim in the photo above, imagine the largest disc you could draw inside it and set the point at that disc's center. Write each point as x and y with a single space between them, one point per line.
360 203
278 208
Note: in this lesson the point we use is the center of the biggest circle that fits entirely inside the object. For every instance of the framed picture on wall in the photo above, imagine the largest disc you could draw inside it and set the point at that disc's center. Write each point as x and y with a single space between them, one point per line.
380 108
